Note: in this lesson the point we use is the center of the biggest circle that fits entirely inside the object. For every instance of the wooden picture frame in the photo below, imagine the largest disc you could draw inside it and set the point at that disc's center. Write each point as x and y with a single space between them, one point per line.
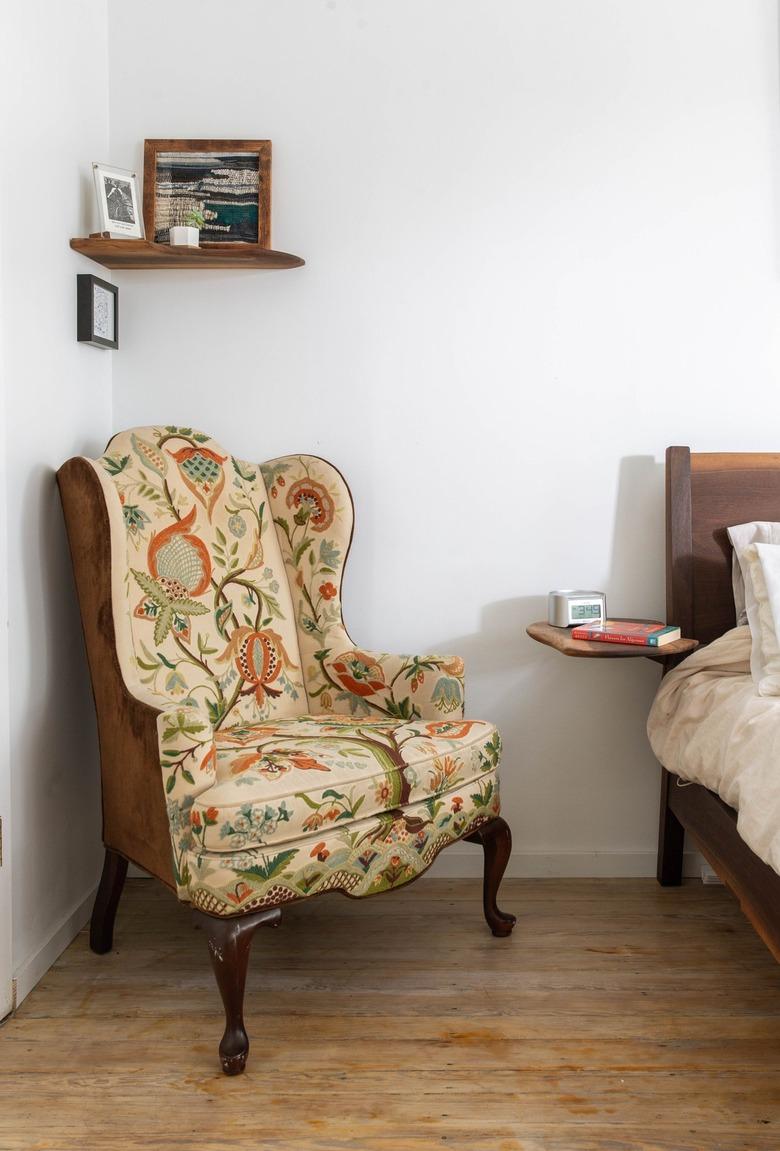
239 212
97 312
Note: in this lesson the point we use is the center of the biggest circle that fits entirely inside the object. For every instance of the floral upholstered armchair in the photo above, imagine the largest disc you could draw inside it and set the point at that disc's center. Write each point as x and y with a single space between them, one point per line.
251 755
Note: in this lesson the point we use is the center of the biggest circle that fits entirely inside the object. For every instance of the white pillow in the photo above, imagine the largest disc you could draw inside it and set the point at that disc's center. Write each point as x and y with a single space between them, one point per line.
769 563
742 536
761 568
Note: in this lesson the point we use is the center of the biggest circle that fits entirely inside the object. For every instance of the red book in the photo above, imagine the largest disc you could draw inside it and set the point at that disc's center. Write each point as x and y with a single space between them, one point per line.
641 632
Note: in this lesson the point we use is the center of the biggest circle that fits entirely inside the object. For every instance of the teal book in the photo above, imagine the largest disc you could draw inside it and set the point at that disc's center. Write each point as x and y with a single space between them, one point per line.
642 632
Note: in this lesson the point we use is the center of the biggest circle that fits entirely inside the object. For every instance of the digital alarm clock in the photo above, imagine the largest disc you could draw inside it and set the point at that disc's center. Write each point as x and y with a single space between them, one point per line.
568 607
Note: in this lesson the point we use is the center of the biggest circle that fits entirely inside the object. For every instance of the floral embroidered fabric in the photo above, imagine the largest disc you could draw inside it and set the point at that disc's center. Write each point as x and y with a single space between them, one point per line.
274 728
278 781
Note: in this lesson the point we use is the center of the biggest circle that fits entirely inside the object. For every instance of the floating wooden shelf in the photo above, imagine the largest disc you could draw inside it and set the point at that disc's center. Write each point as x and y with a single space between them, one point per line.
560 639
137 254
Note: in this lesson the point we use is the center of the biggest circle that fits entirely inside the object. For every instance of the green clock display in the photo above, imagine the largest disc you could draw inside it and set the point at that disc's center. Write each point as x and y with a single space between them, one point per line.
585 611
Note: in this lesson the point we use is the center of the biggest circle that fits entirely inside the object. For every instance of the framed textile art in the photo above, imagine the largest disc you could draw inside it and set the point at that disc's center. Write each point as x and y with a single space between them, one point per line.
228 182
97 312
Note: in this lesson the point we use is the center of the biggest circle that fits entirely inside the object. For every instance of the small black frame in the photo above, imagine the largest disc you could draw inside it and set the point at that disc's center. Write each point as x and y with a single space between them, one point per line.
85 311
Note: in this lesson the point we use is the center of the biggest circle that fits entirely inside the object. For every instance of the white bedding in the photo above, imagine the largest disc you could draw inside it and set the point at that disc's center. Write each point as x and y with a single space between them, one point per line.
709 725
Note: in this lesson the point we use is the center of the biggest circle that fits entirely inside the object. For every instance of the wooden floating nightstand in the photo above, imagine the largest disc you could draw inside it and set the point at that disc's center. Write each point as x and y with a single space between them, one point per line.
138 254
560 639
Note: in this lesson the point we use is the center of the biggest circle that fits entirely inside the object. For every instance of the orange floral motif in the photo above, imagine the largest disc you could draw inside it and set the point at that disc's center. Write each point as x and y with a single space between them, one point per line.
450 729
443 771
243 763
312 502
320 852
239 893
202 471
275 763
179 561
313 822
457 803
358 673
303 761
384 794
256 556
328 590
260 657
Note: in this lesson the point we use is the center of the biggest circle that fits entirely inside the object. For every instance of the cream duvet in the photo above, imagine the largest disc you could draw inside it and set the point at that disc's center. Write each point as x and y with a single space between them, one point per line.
709 725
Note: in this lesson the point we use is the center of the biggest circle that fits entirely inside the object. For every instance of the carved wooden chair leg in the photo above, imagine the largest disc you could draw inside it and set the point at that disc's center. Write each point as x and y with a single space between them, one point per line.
101 925
496 840
229 941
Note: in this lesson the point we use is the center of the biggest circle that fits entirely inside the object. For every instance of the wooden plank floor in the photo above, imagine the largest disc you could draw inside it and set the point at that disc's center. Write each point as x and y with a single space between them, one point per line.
619 1016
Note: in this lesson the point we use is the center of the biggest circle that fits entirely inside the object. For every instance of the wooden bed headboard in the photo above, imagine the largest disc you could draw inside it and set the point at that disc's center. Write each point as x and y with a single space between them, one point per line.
706 492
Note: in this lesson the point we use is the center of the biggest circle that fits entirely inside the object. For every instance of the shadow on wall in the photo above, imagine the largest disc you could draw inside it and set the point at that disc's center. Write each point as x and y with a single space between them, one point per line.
578 771
54 754
636 581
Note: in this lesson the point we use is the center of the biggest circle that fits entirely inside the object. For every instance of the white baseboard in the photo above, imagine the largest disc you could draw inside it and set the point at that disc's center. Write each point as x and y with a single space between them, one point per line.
466 862
34 968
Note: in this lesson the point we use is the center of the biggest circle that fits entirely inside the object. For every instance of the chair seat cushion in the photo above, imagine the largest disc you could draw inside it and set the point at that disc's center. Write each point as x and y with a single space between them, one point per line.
364 857
279 781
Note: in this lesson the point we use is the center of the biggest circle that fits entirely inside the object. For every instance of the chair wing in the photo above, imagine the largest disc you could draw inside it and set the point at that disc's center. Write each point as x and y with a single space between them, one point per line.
313 512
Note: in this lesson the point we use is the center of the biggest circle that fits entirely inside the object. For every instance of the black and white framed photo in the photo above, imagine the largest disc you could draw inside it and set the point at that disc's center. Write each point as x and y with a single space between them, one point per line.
118 203
97 312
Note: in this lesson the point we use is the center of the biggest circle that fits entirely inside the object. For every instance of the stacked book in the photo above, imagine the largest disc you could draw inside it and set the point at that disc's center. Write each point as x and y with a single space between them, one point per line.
640 632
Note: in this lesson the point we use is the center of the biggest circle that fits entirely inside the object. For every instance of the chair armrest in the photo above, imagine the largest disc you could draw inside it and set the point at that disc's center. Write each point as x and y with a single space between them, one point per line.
188 753
188 760
363 682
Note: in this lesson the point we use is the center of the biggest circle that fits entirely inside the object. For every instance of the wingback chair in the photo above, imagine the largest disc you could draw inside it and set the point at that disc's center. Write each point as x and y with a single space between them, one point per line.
251 755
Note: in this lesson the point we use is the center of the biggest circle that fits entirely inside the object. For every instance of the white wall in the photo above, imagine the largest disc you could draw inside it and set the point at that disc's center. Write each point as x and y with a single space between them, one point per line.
6 954
53 95
542 244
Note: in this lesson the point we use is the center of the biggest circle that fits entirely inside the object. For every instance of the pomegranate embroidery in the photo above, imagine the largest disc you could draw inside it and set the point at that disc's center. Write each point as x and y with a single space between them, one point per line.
179 560
260 658
202 471
179 569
